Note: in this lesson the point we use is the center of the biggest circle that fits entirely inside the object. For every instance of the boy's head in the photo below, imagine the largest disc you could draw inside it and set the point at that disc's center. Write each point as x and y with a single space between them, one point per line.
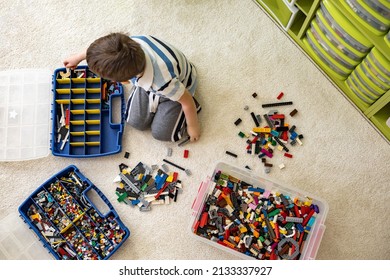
116 57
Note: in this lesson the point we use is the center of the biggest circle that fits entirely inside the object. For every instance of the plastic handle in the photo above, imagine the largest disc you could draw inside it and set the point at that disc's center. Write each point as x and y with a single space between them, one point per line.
317 242
98 200
116 113
199 198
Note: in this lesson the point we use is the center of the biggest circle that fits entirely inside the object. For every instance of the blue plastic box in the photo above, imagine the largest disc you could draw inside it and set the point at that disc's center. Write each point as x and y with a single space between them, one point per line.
66 213
85 120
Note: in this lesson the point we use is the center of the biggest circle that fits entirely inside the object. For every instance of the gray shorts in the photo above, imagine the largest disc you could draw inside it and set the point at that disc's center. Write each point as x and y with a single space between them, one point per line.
167 122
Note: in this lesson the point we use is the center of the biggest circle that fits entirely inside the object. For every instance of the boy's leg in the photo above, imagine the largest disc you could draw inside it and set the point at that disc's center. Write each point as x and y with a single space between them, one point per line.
138 114
169 122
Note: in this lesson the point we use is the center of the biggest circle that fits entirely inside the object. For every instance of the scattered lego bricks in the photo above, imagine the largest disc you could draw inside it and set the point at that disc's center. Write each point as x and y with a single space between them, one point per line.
261 223
277 104
185 141
140 187
66 220
274 134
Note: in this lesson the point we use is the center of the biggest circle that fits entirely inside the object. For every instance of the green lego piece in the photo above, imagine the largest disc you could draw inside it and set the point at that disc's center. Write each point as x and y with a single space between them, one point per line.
122 197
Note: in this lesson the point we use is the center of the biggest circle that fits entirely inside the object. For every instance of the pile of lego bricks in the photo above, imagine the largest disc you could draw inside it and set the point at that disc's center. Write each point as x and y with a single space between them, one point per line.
254 221
70 225
139 187
274 134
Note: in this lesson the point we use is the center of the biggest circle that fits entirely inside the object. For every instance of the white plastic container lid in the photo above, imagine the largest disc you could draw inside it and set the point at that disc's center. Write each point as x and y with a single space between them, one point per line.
17 241
25 104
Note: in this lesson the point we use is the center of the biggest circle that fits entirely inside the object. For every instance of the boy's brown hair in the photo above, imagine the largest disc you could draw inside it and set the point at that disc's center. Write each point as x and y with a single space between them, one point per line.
116 57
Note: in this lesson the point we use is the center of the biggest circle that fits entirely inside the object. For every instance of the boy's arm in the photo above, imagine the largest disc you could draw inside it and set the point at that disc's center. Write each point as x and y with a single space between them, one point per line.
74 60
189 109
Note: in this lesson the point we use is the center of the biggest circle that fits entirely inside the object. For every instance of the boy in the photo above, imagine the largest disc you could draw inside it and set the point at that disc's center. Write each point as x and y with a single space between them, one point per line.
164 81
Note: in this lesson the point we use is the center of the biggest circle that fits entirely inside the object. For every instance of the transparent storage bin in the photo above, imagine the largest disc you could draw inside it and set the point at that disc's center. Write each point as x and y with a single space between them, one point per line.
344 28
24 114
17 242
206 191
370 15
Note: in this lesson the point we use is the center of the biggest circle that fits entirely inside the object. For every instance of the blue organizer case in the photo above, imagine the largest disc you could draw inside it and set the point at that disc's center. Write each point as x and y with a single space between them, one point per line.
83 114
62 214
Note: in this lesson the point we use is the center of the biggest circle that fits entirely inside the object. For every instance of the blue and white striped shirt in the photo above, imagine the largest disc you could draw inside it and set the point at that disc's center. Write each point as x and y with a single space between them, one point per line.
167 70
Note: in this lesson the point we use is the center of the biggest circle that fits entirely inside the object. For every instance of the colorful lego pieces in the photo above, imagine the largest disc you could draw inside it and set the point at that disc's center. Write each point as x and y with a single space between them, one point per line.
139 187
69 223
264 224
276 134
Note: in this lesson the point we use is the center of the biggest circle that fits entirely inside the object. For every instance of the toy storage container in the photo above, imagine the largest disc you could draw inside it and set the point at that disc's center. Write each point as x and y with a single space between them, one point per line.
73 218
249 241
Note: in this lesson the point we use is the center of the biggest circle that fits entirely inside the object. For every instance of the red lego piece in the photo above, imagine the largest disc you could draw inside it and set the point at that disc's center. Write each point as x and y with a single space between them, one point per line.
67 116
280 95
288 155
307 218
203 219
284 136
277 116
186 153
296 210
162 190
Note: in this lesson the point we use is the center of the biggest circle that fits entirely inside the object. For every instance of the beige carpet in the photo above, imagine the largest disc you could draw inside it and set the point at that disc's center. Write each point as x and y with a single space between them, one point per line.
238 50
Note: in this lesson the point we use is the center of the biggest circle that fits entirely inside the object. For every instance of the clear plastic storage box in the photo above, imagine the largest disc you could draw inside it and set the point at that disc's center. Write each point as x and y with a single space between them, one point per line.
241 227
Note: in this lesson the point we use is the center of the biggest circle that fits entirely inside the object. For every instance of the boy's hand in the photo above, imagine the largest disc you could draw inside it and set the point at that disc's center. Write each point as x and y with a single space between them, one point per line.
74 60
189 109
194 132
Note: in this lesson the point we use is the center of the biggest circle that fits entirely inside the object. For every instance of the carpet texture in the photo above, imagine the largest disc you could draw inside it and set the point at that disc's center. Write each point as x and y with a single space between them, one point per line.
237 50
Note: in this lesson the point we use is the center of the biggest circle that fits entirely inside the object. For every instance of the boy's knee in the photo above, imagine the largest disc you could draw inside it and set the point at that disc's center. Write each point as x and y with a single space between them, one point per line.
161 135
137 124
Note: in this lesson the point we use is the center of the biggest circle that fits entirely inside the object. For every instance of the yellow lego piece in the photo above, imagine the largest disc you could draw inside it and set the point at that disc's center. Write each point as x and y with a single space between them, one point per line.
227 198
282 231
280 148
243 229
170 178
261 130
35 216
307 202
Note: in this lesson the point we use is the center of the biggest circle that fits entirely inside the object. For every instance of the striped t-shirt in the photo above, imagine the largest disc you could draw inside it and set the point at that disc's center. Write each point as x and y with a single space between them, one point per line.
167 70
